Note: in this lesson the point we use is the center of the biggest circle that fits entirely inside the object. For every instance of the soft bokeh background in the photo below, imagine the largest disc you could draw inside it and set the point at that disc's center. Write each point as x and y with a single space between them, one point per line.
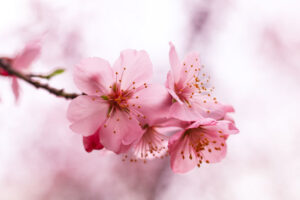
251 49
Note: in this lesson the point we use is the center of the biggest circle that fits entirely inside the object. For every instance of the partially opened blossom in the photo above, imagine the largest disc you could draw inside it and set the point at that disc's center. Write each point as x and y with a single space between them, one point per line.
92 142
21 62
116 99
189 87
202 141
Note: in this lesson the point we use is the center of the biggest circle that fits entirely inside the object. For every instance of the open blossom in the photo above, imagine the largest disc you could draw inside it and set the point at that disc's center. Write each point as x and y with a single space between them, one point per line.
117 98
189 87
21 62
202 141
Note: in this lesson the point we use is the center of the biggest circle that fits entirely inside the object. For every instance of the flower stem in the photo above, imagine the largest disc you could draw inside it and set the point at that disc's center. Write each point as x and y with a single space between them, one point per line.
57 92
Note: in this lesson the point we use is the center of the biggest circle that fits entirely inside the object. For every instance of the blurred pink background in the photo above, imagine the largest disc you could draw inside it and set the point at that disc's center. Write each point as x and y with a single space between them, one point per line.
251 49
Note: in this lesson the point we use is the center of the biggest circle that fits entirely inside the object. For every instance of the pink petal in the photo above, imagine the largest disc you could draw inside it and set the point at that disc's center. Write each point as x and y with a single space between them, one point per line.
138 68
124 148
210 108
153 102
24 59
229 118
15 88
120 129
183 112
174 139
93 76
170 81
182 159
222 127
228 108
170 85
204 122
169 122
218 111
175 63
87 114
233 128
92 142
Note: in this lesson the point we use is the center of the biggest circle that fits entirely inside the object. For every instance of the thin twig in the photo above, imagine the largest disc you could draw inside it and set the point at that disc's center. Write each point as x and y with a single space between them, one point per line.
57 92
48 76
38 76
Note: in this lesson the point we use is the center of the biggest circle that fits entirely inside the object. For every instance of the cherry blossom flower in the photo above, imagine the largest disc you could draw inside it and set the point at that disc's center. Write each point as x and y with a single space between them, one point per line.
21 62
189 87
116 99
202 141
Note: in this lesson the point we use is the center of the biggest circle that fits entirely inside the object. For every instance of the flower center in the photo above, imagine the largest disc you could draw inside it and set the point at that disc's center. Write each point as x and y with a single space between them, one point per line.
151 145
197 143
183 93
118 99
197 139
194 85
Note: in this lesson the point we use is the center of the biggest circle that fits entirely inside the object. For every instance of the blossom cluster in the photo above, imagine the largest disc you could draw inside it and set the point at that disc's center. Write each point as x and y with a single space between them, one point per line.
123 111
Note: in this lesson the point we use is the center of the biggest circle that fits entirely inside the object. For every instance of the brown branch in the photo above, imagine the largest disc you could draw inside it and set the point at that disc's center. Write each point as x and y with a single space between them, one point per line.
57 92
